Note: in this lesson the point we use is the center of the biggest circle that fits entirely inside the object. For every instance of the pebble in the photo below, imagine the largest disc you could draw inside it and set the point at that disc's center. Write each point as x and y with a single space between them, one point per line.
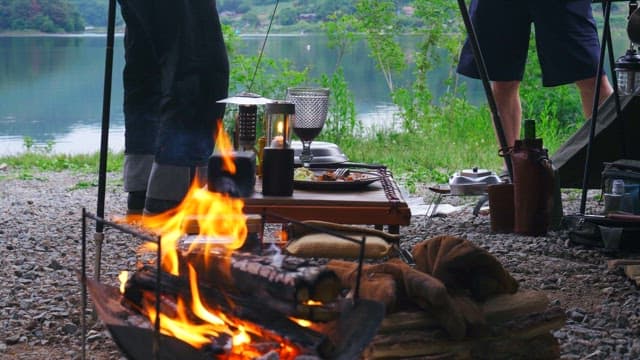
40 299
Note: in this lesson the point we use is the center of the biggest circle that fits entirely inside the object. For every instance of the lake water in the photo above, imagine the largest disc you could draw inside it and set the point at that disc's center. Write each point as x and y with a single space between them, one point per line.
51 87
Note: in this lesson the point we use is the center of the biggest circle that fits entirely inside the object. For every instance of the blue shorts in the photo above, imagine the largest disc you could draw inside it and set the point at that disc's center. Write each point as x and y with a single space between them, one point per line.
566 38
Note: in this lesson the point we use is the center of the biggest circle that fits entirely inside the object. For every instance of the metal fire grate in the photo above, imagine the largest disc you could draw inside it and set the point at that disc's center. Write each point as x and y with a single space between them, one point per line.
159 340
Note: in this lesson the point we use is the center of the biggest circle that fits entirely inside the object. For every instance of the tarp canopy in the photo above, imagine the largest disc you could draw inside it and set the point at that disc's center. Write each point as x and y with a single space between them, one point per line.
612 136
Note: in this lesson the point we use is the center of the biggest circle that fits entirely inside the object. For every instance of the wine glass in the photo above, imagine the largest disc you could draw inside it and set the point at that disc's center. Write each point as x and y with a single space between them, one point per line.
311 106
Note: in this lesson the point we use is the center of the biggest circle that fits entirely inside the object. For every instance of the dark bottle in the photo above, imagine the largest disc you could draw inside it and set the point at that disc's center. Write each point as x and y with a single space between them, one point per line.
533 184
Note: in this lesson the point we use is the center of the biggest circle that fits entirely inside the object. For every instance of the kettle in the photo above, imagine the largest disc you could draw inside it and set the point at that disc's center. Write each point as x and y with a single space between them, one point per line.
472 181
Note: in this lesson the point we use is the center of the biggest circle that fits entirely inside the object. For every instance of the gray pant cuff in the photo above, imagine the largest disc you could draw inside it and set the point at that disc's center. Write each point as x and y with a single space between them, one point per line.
170 182
135 172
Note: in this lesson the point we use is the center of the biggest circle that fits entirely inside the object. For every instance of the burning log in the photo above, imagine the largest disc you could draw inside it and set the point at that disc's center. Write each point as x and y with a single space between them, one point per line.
134 336
285 278
245 305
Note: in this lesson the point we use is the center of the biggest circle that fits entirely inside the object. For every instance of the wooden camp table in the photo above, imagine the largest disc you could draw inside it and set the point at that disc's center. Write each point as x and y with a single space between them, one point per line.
378 204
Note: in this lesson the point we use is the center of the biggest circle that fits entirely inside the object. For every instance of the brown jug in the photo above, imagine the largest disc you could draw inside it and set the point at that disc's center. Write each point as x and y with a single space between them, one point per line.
533 186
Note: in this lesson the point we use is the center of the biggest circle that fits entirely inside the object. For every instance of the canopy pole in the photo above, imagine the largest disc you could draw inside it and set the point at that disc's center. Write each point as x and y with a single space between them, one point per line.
596 99
104 138
484 76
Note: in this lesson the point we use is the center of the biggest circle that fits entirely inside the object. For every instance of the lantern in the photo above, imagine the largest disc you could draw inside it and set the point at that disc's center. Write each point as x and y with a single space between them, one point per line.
627 69
280 117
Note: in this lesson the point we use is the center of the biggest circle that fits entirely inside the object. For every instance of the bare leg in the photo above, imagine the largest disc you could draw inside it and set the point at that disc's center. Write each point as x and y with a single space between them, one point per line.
507 98
587 92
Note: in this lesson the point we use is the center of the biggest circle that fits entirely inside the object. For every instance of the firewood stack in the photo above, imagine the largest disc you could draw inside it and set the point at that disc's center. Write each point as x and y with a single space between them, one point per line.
518 326
457 303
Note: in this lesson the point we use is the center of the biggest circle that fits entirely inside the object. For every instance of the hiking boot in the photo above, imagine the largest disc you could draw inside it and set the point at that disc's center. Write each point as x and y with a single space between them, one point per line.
135 202
158 206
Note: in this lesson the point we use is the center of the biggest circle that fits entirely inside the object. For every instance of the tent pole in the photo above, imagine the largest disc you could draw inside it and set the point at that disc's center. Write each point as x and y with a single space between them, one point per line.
104 138
614 84
482 70
596 99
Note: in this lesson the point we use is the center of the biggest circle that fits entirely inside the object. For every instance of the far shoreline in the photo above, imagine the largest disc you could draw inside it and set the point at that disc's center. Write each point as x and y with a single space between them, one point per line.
120 33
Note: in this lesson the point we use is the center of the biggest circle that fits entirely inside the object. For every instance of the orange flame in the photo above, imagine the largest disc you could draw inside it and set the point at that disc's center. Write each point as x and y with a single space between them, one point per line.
224 146
301 322
219 216
221 224
211 324
123 277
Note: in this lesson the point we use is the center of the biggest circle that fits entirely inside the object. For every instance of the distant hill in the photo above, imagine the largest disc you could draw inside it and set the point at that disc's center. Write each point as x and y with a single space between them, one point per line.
74 15
93 12
48 16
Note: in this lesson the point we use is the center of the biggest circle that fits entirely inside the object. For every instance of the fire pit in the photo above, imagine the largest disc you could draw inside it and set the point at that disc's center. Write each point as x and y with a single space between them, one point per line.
200 293
244 306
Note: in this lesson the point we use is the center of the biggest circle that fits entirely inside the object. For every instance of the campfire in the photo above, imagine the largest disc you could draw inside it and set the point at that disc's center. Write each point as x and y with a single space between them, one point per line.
208 288
200 292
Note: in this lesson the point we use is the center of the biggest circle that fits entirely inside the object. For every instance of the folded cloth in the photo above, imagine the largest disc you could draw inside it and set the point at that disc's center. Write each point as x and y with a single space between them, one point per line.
333 247
310 239
412 286
379 287
463 267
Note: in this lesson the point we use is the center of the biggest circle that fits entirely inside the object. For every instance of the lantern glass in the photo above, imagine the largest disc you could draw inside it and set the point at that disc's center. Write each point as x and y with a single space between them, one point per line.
627 68
627 81
280 118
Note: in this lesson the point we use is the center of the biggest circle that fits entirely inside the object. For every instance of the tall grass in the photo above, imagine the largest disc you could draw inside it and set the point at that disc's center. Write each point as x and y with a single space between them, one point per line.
457 135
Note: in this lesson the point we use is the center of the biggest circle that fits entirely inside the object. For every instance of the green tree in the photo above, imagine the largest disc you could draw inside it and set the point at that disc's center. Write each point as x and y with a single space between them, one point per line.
251 19
42 15
288 16
376 19
94 12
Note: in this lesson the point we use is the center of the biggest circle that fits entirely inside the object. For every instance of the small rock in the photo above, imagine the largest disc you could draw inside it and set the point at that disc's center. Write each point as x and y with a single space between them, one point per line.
69 329
55 265
12 340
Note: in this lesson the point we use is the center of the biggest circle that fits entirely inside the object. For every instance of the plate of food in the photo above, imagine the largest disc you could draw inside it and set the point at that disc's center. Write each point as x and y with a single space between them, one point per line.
331 179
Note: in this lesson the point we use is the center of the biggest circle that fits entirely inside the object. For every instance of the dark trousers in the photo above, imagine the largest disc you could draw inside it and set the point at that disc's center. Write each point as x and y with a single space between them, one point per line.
176 69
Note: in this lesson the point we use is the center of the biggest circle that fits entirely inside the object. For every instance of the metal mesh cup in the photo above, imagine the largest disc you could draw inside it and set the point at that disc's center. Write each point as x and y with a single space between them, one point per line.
311 105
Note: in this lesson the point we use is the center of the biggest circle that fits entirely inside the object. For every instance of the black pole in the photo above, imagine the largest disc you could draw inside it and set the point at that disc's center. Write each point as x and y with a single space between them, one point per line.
104 138
596 98
106 107
484 76
614 84
83 286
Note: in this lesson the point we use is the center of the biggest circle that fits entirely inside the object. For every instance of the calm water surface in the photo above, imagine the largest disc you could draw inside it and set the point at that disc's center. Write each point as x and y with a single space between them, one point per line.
51 87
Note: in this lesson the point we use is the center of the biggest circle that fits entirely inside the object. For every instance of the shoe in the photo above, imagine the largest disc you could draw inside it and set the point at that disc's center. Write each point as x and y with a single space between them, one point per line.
158 206
135 202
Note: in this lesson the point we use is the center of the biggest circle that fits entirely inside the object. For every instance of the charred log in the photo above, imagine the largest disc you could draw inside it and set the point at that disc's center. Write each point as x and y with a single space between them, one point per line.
275 318
293 279
286 278
134 333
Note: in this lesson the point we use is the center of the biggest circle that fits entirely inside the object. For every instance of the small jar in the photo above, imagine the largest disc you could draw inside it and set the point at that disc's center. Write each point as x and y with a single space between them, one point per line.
613 199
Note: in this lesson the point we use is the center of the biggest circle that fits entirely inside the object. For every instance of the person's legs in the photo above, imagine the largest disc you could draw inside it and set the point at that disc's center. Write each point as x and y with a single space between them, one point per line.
568 47
507 96
195 74
587 93
141 80
503 29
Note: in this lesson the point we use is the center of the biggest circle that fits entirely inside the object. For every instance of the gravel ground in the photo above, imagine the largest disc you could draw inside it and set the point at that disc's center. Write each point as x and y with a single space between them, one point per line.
40 243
